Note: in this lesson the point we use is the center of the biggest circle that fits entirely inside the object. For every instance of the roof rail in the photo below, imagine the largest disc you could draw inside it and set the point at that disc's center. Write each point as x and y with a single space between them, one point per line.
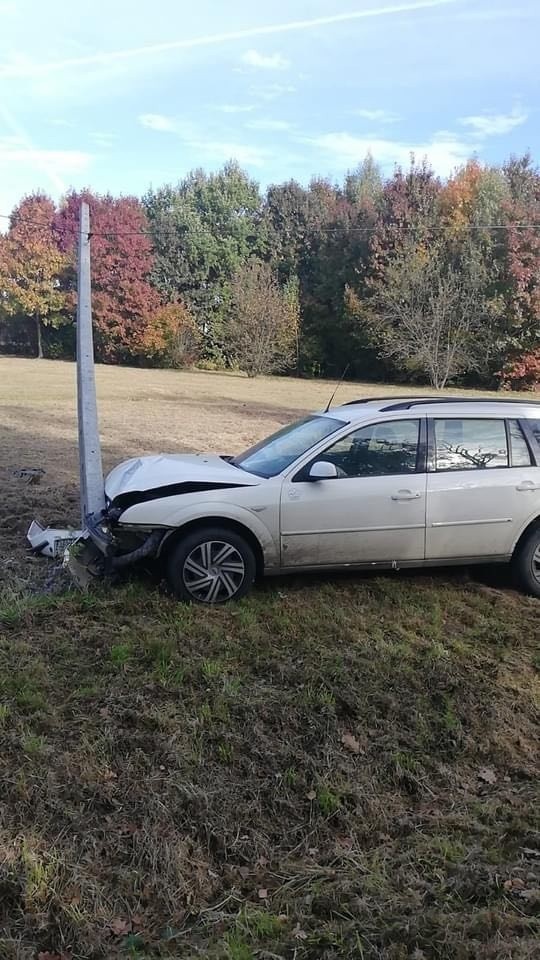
407 404
352 403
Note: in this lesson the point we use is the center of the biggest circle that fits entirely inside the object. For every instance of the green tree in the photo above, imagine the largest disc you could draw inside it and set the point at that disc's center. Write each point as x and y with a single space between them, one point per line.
203 229
428 317
365 184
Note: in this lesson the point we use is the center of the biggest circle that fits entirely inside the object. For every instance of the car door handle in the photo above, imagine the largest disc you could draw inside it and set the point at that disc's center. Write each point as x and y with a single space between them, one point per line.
527 486
406 495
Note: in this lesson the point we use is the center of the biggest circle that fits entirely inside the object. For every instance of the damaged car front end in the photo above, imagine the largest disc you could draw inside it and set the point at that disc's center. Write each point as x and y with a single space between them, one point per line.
118 537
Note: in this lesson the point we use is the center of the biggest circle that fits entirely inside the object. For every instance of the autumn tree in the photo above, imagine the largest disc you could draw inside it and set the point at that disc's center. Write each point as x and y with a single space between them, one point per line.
520 290
172 338
123 300
263 327
32 267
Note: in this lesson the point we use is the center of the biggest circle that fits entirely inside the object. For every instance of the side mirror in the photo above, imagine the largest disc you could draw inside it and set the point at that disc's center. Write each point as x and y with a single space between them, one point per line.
322 470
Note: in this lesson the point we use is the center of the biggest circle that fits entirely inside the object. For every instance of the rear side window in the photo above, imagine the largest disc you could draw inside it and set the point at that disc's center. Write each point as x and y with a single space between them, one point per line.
519 448
470 444
535 427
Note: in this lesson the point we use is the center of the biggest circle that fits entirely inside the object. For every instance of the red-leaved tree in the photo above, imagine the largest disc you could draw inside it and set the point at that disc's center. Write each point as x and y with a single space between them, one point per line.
124 304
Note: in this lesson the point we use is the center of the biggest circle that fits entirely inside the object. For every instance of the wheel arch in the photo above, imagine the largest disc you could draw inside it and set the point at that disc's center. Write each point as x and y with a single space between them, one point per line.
532 525
172 539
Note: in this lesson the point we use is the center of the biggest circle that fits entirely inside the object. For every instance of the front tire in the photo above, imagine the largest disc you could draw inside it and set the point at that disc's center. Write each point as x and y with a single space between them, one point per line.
211 565
526 564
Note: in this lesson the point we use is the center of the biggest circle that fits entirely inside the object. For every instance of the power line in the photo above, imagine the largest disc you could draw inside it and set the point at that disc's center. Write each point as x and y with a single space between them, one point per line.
327 228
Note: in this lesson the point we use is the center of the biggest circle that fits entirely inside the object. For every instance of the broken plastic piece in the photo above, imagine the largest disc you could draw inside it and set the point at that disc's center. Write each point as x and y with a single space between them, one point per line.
50 541
84 561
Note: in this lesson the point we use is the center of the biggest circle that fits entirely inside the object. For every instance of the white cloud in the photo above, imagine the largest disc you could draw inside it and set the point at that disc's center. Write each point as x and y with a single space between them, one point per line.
207 150
103 139
234 108
221 151
269 125
444 151
377 116
21 160
14 150
157 121
30 68
272 91
25 168
261 61
495 124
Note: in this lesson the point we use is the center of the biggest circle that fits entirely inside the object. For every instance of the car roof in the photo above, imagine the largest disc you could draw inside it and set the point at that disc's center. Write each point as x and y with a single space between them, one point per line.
365 407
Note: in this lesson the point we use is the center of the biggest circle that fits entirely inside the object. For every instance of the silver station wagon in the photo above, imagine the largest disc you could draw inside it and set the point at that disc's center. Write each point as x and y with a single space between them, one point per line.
387 483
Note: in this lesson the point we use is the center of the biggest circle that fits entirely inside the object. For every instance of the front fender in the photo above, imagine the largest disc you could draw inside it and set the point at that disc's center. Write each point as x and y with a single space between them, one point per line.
153 514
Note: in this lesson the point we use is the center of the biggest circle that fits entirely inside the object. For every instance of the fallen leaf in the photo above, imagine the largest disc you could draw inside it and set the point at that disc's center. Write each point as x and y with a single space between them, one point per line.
311 795
488 775
299 933
514 883
349 740
263 893
120 927
244 872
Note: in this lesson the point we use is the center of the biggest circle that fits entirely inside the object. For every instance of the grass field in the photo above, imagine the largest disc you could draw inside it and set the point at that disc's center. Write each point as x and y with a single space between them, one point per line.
337 767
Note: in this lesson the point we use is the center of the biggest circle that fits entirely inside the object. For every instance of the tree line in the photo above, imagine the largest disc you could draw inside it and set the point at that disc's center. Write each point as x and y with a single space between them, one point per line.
404 278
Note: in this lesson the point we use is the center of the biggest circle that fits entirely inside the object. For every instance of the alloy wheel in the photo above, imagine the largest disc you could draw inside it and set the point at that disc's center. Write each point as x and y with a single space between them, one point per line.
213 572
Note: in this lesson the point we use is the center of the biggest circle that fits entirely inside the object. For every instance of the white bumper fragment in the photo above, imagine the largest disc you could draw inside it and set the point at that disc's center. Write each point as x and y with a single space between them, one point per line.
51 541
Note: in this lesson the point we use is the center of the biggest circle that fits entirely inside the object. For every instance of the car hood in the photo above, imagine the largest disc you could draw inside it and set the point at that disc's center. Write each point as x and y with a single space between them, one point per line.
144 474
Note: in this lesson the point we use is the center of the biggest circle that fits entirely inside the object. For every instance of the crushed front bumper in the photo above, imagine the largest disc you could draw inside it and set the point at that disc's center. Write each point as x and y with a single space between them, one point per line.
97 551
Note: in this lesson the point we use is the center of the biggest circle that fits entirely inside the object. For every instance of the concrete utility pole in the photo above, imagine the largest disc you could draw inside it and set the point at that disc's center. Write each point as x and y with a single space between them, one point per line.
91 469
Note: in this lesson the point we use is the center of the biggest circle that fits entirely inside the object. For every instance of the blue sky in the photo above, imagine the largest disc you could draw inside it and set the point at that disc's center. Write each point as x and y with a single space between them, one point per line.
119 95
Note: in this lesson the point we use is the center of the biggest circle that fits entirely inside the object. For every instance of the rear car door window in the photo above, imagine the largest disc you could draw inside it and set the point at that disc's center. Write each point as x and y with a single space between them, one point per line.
470 444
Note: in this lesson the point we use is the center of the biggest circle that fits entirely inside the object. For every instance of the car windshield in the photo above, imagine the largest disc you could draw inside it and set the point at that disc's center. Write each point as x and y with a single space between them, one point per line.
276 453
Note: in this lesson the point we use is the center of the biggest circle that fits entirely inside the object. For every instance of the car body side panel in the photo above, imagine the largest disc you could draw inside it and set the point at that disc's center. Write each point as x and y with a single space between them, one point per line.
354 520
480 512
256 508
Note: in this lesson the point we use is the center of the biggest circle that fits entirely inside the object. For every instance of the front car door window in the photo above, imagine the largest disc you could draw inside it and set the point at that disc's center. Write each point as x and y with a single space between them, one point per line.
381 449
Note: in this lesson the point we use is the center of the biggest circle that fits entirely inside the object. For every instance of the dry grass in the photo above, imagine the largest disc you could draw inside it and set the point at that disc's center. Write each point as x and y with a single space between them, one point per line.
176 782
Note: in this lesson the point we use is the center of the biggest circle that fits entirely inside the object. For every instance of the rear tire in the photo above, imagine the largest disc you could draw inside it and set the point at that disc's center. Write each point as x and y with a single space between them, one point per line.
211 565
526 564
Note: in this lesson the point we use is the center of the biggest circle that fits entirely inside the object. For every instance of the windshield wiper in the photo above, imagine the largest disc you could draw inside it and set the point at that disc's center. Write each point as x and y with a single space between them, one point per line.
232 461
